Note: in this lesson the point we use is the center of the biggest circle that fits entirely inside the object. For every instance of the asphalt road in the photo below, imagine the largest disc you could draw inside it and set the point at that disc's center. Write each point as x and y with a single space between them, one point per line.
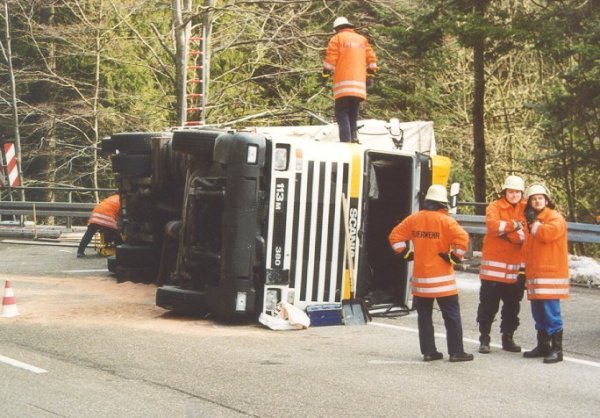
90 347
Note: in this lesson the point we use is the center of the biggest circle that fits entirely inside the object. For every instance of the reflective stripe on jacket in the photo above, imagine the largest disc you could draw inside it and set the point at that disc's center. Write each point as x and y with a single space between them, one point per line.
431 232
348 56
106 212
546 257
501 256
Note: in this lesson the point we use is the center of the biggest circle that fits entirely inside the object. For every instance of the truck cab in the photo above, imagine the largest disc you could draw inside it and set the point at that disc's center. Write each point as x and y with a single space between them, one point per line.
261 219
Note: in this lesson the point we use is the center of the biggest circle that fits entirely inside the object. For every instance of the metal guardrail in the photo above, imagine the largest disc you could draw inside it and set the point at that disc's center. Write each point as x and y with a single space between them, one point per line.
473 224
72 210
576 232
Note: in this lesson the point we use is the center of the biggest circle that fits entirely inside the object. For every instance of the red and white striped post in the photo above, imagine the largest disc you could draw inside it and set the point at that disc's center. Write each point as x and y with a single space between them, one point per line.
12 169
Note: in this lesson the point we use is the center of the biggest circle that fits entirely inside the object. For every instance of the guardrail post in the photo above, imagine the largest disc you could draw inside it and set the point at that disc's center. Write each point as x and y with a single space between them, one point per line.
70 219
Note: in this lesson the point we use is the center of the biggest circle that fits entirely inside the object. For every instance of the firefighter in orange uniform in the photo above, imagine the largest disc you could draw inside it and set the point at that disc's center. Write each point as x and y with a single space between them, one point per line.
501 273
351 59
439 242
546 271
104 217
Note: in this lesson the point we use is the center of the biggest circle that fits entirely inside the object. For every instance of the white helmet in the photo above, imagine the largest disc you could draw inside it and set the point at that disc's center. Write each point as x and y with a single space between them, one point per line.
514 183
536 189
437 193
341 21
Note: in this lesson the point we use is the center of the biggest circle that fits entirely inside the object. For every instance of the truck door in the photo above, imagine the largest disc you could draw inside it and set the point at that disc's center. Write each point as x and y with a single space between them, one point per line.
389 196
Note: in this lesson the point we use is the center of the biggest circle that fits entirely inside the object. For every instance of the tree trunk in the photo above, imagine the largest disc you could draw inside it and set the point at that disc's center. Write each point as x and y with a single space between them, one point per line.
478 112
7 52
95 128
181 28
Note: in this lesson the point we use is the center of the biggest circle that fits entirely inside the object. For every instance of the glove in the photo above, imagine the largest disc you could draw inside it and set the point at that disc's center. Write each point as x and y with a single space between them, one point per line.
521 279
325 76
370 83
530 215
407 254
450 258
517 225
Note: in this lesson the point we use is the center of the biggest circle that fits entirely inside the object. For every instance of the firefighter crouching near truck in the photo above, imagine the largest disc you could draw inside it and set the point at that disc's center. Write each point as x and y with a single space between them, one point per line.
500 272
353 63
439 242
546 271
103 218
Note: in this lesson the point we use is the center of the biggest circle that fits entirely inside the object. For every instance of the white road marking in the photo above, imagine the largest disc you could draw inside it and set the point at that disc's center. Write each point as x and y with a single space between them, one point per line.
21 365
84 271
476 342
420 363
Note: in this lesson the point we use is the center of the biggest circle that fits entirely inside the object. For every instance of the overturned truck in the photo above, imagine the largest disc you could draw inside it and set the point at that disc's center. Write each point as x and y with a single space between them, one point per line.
234 222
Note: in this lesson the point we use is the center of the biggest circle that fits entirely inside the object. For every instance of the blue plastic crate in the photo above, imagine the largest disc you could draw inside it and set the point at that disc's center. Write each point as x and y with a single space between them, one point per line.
324 314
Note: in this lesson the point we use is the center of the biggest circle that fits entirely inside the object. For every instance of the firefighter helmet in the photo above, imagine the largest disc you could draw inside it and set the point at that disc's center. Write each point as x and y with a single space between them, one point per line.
536 189
341 21
437 193
514 183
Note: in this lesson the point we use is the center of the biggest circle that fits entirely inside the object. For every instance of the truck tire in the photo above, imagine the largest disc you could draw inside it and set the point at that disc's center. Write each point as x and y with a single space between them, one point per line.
195 142
138 165
180 300
111 264
145 275
136 256
134 142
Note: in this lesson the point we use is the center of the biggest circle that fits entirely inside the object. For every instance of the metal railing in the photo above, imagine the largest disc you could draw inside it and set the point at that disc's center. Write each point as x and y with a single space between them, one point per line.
67 209
576 232
473 224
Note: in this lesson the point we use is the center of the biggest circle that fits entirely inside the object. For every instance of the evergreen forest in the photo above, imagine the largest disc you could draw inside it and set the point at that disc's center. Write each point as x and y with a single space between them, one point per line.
512 86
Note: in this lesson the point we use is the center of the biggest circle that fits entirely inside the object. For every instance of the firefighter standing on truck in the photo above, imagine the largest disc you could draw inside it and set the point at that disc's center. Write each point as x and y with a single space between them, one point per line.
502 276
439 242
547 272
103 218
351 59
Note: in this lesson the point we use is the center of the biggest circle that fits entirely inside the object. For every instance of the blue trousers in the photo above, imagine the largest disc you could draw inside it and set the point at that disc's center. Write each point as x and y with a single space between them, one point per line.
546 314
346 116
451 314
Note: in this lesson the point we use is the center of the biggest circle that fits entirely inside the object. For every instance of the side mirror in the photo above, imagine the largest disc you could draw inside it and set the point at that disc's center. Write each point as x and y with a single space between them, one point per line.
454 190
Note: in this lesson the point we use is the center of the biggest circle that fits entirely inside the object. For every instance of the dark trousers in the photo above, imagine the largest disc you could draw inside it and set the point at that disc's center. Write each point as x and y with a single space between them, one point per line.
110 235
451 313
346 116
490 295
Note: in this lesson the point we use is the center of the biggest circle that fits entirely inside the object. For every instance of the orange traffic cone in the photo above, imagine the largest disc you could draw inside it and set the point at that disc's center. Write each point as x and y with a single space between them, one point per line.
9 304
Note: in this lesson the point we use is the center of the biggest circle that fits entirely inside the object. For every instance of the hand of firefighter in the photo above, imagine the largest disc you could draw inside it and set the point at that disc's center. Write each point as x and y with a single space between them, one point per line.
370 79
325 76
517 225
406 254
521 279
450 258
530 215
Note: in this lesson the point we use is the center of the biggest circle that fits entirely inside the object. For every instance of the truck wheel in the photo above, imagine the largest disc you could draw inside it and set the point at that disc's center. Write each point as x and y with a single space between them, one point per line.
136 256
195 142
111 263
138 165
134 142
145 275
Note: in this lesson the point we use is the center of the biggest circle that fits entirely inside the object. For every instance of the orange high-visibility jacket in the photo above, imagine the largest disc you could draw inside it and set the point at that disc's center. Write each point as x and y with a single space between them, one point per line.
501 257
546 257
348 56
431 232
106 212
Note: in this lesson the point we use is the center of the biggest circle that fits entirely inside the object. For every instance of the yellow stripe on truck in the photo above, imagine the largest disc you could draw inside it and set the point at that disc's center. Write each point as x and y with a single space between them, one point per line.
355 183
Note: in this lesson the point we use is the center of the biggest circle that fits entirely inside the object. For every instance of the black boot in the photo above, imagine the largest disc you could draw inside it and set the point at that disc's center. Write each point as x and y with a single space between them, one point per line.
508 344
543 346
555 355
484 337
484 346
